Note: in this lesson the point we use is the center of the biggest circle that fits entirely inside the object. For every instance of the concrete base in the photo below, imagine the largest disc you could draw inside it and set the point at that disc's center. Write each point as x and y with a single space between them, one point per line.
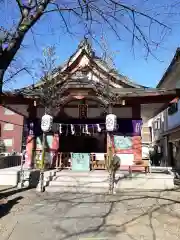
152 181
48 176
9 176
97 181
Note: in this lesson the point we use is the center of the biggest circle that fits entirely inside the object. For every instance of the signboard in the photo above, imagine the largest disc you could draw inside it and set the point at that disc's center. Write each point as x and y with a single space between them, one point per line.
137 126
83 110
123 144
80 161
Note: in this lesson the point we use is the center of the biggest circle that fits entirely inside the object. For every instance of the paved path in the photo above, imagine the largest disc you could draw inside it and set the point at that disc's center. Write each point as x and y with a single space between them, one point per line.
128 216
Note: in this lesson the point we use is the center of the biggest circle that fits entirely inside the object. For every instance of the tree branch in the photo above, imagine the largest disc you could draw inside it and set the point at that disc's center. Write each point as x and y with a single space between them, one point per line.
16 73
138 12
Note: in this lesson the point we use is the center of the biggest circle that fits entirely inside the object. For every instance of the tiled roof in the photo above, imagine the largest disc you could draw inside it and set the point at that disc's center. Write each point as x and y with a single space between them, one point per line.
86 47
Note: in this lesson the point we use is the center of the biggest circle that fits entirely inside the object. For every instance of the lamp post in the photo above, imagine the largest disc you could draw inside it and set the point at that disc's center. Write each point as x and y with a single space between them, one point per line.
111 125
46 126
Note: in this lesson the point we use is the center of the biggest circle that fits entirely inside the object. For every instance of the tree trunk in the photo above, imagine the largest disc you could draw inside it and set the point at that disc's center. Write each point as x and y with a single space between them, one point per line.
2 71
4 64
43 162
111 182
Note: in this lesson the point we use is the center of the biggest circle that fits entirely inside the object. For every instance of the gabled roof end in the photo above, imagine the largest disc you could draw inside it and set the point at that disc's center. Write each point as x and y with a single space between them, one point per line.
86 45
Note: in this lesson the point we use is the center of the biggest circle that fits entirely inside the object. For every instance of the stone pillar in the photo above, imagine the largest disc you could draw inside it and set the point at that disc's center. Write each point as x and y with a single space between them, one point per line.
31 138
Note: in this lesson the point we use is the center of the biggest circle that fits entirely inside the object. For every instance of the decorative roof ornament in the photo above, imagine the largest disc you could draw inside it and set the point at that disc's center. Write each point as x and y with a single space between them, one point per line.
81 76
86 45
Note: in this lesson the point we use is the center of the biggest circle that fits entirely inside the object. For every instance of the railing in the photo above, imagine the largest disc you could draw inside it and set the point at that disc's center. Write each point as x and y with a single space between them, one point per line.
97 160
10 161
63 161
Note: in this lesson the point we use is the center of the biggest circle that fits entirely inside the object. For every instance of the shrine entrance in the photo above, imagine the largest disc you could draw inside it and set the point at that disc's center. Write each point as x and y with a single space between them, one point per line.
84 144
82 131
93 146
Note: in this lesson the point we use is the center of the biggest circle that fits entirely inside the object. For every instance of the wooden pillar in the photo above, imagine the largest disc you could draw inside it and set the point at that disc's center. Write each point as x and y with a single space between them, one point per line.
31 138
136 139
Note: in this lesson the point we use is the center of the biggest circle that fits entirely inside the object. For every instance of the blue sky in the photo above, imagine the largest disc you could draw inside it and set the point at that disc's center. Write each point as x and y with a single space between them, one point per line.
133 64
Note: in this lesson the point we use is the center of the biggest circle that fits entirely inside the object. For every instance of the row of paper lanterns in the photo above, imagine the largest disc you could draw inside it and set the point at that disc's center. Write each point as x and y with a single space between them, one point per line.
47 121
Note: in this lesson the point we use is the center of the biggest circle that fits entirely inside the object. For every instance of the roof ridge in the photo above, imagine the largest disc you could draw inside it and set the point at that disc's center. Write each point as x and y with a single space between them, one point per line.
86 47
168 69
116 72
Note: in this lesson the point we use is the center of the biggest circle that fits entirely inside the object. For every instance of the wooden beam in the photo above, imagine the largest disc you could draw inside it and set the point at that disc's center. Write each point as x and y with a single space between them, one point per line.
131 97
96 106
14 99
148 99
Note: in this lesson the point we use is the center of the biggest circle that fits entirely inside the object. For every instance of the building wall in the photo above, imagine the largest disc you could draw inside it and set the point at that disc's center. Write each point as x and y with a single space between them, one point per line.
158 125
145 134
164 124
172 81
11 127
174 119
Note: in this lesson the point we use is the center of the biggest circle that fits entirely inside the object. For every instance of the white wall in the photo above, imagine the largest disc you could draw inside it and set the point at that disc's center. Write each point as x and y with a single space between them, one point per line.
174 120
157 132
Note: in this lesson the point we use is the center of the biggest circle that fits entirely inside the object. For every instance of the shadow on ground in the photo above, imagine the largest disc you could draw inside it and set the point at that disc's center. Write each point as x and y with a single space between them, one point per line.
5 204
6 208
129 215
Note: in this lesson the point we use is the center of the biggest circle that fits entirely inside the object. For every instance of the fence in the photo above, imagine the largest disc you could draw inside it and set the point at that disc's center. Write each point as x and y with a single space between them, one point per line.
97 161
10 161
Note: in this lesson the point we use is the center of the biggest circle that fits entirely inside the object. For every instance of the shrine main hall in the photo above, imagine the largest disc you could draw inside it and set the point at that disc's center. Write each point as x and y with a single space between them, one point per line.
87 89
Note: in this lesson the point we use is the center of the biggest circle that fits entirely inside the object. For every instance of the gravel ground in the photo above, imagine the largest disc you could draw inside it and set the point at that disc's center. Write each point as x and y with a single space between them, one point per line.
130 215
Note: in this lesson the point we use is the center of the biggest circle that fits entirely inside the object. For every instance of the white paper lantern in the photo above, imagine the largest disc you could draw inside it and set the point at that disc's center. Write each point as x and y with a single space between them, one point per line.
46 123
111 122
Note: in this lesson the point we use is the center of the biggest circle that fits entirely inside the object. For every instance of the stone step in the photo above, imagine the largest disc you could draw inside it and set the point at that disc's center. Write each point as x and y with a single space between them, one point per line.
71 189
82 179
85 174
104 175
80 184
96 184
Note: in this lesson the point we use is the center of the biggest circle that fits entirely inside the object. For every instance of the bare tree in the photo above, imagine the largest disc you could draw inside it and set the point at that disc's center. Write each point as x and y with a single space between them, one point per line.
46 90
47 86
90 15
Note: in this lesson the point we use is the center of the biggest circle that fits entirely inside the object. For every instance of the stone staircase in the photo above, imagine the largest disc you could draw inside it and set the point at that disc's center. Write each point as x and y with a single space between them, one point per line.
97 181
68 181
